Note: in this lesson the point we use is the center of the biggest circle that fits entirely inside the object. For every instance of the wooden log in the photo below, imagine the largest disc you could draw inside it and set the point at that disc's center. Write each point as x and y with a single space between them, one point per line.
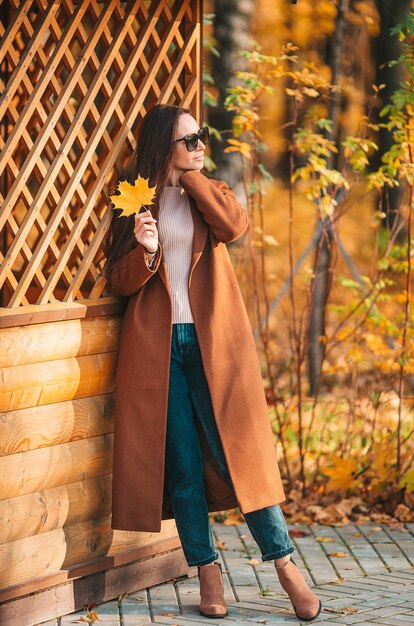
35 470
56 423
48 553
58 311
58 340
36 384
54 508
52 599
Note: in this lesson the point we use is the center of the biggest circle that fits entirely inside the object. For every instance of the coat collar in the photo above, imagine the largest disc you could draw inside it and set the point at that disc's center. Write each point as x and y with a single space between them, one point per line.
199 241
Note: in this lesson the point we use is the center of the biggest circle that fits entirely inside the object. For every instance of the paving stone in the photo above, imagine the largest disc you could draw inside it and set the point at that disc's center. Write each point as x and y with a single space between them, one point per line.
72 617
135 609
253 592
135 620
392 621
163 600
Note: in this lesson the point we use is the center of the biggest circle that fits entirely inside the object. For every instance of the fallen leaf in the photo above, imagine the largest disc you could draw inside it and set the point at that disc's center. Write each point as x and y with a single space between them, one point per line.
131 198
403 513
233 519
253 562
337 581
220 545
346 610
297 533
357 534
339 555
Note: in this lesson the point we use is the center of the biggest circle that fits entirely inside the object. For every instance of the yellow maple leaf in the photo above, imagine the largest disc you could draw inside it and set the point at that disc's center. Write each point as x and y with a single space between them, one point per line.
132 197
341 473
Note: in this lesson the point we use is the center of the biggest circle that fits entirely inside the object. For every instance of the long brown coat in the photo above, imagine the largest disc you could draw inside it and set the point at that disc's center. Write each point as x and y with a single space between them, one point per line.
230 362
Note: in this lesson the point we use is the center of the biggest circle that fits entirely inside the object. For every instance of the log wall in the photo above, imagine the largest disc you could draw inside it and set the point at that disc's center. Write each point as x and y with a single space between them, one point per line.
57 419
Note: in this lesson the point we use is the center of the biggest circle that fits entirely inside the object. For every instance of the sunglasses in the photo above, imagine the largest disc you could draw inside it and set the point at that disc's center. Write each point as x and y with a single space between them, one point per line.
191 141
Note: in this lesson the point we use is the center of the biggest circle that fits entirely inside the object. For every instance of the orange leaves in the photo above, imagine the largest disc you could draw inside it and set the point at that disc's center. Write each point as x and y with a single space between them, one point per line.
242 147
131 198
346 610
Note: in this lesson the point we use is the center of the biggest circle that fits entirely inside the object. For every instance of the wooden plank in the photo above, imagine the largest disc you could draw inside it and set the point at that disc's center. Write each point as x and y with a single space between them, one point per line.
54 508
164 541
35 470
52 341
74 594
36 384
56 423
47 553
58 311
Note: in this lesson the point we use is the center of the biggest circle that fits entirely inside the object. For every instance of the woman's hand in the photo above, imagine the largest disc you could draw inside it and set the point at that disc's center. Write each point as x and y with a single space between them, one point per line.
145 231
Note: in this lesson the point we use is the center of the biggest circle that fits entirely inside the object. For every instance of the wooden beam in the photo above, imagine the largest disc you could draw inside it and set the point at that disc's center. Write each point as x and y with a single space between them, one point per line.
56 423
35 470
52 341
58 311
35 384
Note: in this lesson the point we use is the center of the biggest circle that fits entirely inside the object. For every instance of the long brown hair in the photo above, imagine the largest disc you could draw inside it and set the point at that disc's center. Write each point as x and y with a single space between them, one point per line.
151 159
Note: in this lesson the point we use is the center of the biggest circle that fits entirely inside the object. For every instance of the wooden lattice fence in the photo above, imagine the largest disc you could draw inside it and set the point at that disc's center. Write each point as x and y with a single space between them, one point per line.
75 78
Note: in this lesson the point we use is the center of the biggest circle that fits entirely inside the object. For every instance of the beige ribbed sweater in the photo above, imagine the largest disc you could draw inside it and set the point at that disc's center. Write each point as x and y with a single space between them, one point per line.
176 231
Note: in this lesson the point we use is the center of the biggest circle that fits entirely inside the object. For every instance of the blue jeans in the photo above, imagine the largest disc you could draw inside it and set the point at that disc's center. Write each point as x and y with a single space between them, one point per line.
189 399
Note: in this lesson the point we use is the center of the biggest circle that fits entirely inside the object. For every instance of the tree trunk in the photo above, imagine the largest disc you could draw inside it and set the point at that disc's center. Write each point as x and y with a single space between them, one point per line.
323 258
387 48
232 32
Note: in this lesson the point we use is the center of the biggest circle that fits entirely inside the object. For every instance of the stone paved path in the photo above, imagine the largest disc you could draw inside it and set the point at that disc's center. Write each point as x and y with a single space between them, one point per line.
375 579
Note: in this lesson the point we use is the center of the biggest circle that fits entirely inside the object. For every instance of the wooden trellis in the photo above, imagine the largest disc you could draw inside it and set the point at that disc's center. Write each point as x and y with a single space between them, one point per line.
75 78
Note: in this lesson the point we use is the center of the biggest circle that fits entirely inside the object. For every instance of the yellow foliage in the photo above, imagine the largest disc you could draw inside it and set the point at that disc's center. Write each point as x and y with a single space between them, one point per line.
376 343
382 452
341 473
131 198
241 147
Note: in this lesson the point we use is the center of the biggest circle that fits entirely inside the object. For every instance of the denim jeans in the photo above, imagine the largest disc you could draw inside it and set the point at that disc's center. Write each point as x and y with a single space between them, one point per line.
189 399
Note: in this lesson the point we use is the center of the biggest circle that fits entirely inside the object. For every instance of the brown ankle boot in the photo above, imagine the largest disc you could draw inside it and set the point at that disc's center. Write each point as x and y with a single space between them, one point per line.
212 602
298 591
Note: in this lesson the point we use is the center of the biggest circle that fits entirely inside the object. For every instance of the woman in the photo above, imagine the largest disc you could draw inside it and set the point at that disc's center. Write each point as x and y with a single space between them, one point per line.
192 432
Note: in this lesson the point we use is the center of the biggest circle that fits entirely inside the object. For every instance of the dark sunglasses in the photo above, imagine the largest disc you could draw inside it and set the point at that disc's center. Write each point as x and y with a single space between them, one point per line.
191 141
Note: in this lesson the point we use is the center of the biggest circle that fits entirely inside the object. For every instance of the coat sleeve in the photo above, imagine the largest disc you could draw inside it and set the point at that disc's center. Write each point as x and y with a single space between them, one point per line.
132 271
218 204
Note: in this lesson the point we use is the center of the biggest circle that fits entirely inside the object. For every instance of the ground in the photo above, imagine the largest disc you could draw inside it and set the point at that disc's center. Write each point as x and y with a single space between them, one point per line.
375 579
